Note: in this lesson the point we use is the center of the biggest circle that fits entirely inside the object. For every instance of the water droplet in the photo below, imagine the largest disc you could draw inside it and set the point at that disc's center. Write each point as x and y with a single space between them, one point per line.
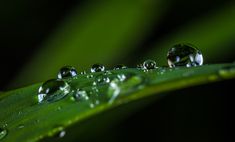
57 132
3 133
184 55
53 90
149 64
80 95
62 134
121 77
101 79
120 66
97 68
83 72
89 76
67 71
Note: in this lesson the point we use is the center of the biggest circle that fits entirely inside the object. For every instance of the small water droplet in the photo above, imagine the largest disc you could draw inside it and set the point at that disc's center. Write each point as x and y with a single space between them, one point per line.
3 133
184 55
80 95
57 132
67 71
149 64
53 90
83 72
101 79
121 77
89 76
97 68
120 66
62 134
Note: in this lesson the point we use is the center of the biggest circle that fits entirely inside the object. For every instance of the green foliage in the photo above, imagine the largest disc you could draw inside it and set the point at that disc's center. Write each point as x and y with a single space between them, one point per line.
27 120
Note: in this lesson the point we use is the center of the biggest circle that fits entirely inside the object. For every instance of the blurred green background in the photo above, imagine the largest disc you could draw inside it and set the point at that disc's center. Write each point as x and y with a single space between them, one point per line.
40 36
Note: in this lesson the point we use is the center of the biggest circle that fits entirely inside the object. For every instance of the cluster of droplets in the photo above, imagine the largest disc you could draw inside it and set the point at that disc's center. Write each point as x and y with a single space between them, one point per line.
56 89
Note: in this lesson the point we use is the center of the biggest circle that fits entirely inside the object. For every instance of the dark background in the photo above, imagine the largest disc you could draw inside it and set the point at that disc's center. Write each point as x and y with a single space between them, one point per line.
25 24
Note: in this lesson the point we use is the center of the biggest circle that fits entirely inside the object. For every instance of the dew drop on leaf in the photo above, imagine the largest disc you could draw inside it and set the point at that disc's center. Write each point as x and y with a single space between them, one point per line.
3 133
149 64
53 90
97 68
184 55
67 71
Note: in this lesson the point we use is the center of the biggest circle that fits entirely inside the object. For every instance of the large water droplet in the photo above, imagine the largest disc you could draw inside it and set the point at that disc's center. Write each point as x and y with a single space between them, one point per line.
120 66
97 68
149 64
3 133
67 71
184 55
53 90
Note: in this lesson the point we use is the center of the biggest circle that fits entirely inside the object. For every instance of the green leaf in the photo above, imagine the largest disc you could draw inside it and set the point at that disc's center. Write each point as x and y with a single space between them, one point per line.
26 120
